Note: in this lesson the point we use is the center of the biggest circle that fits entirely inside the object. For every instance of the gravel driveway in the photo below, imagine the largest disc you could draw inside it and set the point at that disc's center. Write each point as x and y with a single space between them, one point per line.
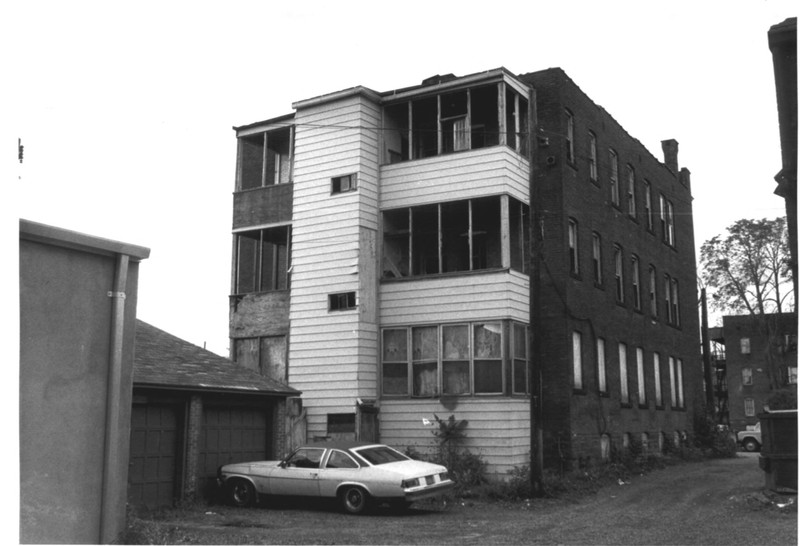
711 502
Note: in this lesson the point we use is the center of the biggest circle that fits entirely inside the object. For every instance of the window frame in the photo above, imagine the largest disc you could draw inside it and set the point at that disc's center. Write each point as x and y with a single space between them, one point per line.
602 371
342 301
336 184
640 376
597 258
648 204
619 274
624 388
636 282
577 361
659 395
570 136
747 376
631 190
593 157
749 407
614 176
573 245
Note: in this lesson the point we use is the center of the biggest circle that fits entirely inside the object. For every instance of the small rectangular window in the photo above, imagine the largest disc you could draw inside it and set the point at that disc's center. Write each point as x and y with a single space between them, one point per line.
749 407
342 184
341 423
341 301
747 376
744 343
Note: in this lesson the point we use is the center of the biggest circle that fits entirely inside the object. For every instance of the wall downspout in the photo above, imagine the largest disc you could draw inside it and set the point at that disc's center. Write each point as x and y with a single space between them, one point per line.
112 440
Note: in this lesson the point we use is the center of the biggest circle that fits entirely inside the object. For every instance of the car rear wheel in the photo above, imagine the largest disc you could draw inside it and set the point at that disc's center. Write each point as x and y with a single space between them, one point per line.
354 499
241 493
750 445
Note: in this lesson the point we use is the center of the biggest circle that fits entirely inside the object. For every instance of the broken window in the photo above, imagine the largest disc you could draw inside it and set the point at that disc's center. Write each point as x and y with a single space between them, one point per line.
341 301
342 184
262 260
450 237
519 234
395 361
488 355
461 120
265 159
454 122
424 127
424 361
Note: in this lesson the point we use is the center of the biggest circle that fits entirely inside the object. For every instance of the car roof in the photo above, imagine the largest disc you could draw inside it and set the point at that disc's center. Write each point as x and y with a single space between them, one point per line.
340 444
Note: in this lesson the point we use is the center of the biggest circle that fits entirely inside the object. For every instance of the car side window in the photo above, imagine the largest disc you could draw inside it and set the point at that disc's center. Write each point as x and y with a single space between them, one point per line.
305 458
339 459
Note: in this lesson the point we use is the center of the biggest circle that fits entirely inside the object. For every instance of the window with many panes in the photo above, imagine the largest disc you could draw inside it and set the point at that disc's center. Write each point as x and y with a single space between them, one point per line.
455 359
614 176
262 260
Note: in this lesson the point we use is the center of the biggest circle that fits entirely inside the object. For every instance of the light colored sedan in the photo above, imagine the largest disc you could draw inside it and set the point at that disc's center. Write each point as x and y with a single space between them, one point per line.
358 474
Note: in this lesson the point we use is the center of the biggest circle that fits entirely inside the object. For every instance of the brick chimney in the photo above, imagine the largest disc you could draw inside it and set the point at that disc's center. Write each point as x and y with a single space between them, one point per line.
670 148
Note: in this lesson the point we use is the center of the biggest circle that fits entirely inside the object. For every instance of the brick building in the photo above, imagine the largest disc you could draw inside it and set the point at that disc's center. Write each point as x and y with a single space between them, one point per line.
752 373
381 265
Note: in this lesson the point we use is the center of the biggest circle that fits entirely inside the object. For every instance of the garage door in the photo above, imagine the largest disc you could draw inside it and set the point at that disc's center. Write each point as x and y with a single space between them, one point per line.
232 435
153 455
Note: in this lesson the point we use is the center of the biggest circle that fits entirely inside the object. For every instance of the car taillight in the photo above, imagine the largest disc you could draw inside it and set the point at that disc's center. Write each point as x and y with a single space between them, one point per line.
405 484
443 476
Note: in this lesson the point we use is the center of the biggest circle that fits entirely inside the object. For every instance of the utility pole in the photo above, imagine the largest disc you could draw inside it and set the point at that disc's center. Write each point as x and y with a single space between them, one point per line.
706 353
535 341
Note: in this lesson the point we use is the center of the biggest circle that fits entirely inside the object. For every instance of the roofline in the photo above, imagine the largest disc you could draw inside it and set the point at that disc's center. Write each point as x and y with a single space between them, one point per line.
501 73
280 119
43 233
213 389
358 90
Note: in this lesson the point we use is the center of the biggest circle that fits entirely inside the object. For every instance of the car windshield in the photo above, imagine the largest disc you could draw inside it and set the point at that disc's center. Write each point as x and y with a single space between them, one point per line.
381 455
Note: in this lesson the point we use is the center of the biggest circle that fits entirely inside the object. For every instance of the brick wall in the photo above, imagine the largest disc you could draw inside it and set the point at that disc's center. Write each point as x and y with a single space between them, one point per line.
574 421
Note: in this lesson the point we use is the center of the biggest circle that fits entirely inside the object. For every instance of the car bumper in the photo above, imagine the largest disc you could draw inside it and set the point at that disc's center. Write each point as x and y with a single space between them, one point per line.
429 491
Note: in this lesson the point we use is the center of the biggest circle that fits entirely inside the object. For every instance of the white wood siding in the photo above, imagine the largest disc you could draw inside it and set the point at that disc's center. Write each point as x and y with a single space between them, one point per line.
498 428
476 173
333 355
496 295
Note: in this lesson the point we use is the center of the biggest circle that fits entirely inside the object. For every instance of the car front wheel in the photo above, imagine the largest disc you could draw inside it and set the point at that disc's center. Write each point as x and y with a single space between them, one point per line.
750 445
241 493
354 499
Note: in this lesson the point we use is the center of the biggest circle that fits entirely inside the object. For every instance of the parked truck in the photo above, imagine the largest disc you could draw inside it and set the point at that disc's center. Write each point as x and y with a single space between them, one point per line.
750 440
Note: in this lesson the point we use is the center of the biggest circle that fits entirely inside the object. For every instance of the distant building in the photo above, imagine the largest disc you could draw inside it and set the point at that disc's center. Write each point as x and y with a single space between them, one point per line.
752 373
382 265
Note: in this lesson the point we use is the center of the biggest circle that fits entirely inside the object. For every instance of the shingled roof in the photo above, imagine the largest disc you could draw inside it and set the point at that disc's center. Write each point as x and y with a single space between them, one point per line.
164 361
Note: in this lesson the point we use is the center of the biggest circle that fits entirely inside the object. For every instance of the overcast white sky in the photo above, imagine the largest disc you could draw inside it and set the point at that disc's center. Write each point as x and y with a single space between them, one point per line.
125 109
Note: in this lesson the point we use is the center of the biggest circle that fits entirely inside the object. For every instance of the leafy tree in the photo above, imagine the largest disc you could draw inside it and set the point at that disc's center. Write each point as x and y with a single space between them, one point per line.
748 270
748 273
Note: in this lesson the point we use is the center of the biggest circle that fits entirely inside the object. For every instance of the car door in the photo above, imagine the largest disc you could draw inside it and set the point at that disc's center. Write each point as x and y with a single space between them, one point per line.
299 474
340 467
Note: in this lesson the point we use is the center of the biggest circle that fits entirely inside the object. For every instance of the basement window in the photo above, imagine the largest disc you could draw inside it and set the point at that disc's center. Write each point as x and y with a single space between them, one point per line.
342 184
341 301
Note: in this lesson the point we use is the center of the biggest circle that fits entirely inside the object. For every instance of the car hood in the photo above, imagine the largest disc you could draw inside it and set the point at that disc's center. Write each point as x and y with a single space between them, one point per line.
412 468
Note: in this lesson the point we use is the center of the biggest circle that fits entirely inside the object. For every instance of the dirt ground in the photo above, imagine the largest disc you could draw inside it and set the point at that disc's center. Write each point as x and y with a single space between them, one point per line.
712 502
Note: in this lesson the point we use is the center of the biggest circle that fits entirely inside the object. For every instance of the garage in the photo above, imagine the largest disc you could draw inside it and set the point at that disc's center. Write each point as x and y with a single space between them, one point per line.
194 410
153 455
